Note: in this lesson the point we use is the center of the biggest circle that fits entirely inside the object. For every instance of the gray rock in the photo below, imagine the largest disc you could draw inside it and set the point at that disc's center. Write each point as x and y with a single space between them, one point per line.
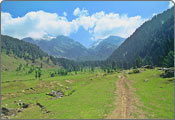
148 66
145 80
56 94
168 73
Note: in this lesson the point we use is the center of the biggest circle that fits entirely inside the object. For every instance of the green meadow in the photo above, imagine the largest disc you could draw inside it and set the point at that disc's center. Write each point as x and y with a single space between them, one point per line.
91 95
88 95
156 93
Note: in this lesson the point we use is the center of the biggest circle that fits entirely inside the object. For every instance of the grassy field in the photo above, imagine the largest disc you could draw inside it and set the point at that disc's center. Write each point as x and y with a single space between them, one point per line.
88 95
156 93
93 94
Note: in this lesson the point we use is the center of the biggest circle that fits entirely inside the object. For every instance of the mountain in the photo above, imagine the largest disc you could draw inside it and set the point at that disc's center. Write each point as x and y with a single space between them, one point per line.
61 46
64 47
104 48
151 43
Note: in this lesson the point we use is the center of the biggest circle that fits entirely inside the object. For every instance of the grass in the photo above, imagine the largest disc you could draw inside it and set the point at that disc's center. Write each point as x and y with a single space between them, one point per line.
90 95
157 94
93 96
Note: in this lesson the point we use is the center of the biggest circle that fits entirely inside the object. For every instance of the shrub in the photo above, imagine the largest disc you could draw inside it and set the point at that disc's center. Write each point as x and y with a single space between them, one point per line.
136 71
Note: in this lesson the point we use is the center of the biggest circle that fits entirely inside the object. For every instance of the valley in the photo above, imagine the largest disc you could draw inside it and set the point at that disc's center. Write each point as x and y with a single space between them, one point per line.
88 95
116 78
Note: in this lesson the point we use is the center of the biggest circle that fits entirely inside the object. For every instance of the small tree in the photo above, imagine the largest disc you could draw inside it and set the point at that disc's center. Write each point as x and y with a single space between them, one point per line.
41 65
39 73
52 74
139 62
169 60
92 69
36 74
114 65
108 70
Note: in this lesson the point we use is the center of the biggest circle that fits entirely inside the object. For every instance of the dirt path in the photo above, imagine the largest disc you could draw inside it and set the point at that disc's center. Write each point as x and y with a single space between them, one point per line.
125 108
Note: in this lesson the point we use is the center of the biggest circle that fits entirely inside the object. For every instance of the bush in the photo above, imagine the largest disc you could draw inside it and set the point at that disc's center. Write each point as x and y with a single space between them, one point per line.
130 72
52 75
136 71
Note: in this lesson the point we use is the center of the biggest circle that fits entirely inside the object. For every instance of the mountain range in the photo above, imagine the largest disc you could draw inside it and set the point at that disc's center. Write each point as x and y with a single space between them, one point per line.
65 47
152 42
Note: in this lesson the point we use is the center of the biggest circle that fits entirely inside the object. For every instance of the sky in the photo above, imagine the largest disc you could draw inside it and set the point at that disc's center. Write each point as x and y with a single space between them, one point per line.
83 21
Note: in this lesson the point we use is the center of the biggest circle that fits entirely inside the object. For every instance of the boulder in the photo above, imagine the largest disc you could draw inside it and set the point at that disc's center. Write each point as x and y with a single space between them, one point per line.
168 73
41 106
4 111
25 105
57 94
145 80
148 66
8 112
163 69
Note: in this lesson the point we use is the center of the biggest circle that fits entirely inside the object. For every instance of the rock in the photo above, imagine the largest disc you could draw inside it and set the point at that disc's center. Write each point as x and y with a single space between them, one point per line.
41 106
148 66
164 69
145 80
23 90
68 81
8 112
4 111
57 94
24 105
19 111
168 73
48 111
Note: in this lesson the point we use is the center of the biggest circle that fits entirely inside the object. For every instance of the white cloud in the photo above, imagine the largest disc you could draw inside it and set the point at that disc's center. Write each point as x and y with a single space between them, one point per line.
41 24
37 25
78 12
171 4
114 24
65 14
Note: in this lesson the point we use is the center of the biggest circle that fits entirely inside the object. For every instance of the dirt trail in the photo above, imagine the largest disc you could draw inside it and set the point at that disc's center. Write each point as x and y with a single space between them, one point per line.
125 108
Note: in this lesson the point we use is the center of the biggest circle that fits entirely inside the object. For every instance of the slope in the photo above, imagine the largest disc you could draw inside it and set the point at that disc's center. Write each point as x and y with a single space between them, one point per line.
61 46
15 52
105 48
152 41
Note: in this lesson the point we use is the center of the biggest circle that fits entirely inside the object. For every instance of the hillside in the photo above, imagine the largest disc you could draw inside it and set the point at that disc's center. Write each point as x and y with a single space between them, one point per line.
49 75
15 52
104 48
64 47
151 43
61 46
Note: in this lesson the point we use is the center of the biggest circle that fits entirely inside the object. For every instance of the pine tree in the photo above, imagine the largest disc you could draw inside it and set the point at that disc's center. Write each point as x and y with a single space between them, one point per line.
169 60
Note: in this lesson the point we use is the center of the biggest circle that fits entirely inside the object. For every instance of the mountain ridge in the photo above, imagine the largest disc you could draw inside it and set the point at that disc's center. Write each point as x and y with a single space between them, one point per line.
65 47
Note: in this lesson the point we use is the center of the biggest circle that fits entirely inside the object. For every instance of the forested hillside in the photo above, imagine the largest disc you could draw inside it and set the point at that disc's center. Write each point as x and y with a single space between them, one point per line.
21 49
16 53
151 43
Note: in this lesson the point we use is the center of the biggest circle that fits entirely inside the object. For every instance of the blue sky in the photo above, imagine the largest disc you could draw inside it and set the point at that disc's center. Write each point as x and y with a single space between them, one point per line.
84 21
